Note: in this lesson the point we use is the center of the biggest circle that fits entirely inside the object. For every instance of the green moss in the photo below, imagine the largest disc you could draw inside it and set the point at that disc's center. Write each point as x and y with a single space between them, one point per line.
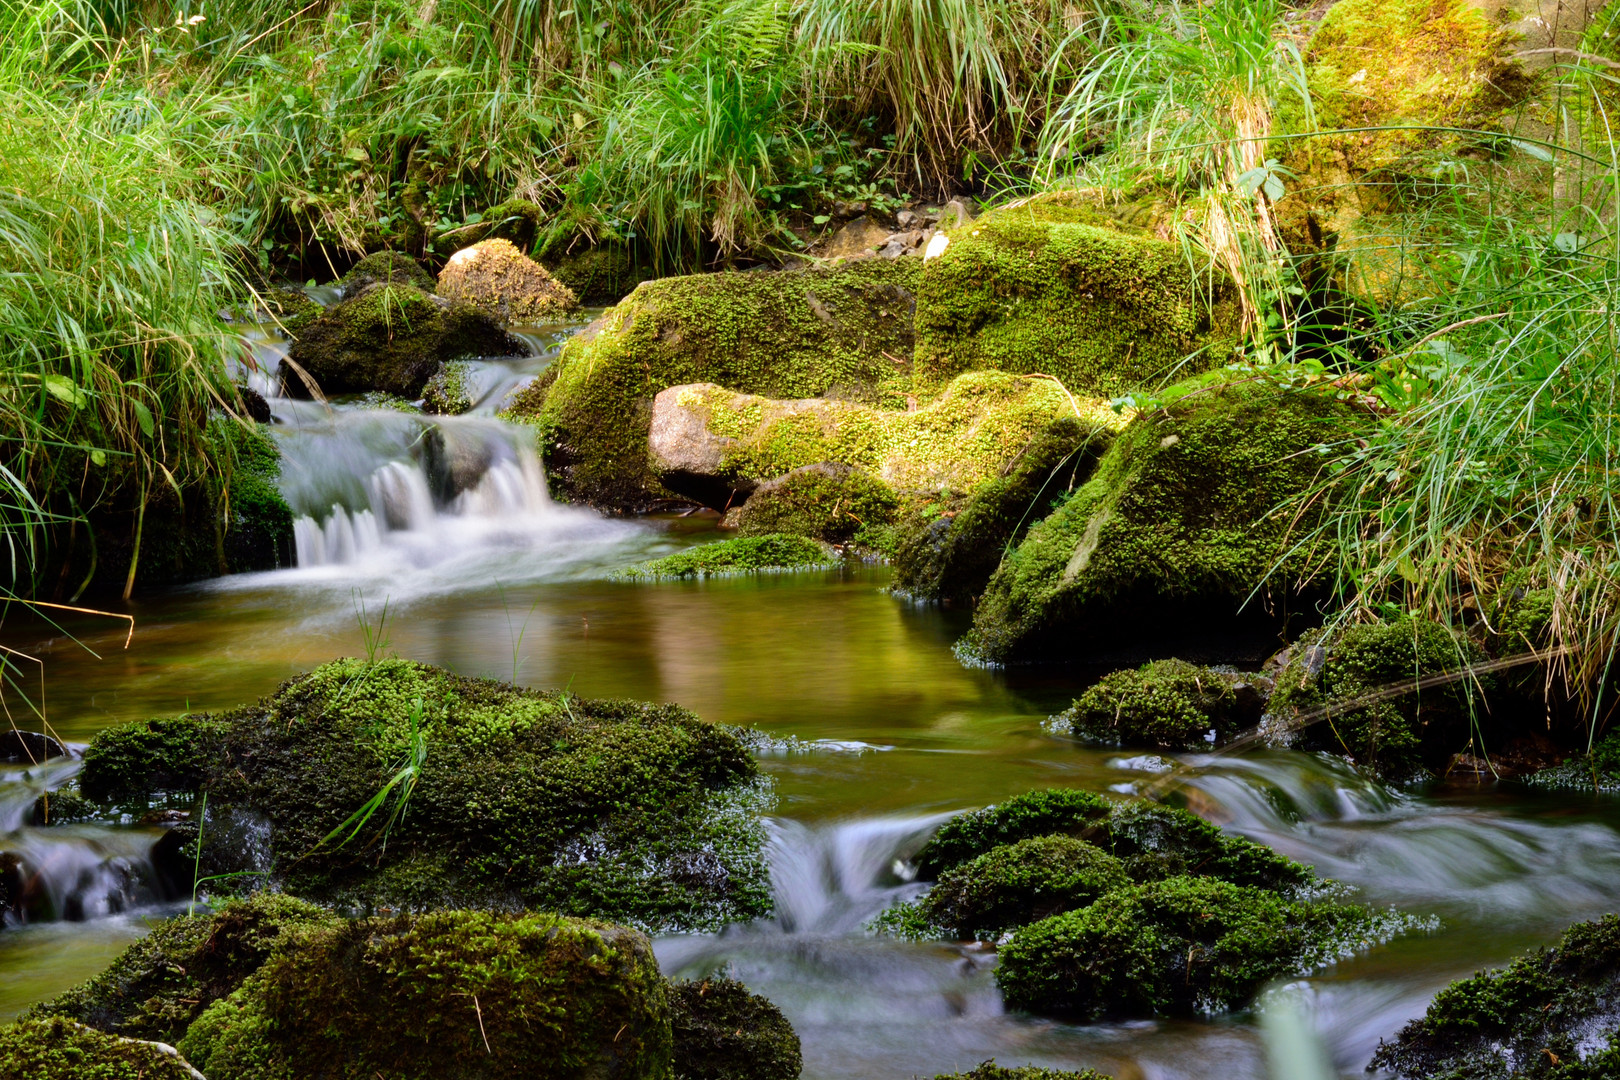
1016 884
258 527
742 555
446 392
604 274
1038 286
1534 1019
625 810
991 1071
61 1050
793 334
723 1032
1338 691
391 338
386 268
292 309
947 550
1177 522
1167 704
1182 946
64 806
1036 813
828 502
376 399
447 996
517 221
160 984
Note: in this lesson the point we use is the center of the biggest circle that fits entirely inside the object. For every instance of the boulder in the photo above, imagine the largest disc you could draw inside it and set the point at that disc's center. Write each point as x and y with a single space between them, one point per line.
458 995
517 221
479 793
446 393
62 1050
385 268
723 1032
499 280
18 747
716 445
858 238
1184 520
989 1070
1163 705
1052 285
391 338
828 501
604 274
842 332
1016 884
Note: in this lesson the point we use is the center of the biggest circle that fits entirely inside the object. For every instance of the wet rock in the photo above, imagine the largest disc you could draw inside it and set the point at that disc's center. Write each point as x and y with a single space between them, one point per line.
453 462
385 268
499 280
601 275
253 403
1164 705
828 501
64 806
723 1032
19 747
447 393
989 1070
62 1050
290 309
1015 884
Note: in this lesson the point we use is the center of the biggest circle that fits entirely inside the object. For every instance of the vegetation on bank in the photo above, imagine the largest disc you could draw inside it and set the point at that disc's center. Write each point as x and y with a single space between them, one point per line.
740 555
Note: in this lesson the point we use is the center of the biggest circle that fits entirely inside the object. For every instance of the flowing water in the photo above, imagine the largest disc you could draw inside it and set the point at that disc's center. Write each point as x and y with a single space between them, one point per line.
883 734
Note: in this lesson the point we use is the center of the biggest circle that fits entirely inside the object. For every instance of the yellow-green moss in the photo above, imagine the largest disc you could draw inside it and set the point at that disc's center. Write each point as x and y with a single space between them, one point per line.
829 502
58 1049
1166 705
723 1032
386 268
739 555
989 1070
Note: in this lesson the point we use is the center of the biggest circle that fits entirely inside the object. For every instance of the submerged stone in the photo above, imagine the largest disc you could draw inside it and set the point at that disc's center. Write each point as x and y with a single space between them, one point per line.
1165 705
724 1032
58 1049
499 280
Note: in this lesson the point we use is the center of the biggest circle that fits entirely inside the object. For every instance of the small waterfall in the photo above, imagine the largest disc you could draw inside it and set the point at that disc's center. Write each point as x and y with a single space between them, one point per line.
833 879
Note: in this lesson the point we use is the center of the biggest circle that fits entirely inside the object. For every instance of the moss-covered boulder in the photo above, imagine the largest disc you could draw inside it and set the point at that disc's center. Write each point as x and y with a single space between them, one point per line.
604 274
740 555
517 221
447 393
1165 705
717 445
290 309
723 1032
59 1049
449 996
385 268
1394 697
989 1070
391 338
163 982
481 794
502 282
1051 285
1053 811
1184 520
831 502
1016 884
1547 1016
843 332
948 548
1182 946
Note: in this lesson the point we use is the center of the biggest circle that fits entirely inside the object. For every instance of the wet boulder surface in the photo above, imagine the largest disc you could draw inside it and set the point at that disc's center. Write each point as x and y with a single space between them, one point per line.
58 1049
495 277
724 1032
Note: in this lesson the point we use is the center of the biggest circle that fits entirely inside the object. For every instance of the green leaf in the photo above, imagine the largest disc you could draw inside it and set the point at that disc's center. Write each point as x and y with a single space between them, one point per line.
98 458
63 389
143 417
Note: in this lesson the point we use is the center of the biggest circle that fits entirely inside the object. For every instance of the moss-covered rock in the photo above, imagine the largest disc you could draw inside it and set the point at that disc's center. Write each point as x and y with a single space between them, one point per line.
290 309
1547 1016
517 221
1379 693
1050 285
1054 811
947 550
1017 884
501 281
64 806
1181 946
843 332
448 996
391 338
59 1049
989 1070
831 502
723 1032
163 982
447 392
604 274
1165 704
1181 522
490 795
741 555
385 268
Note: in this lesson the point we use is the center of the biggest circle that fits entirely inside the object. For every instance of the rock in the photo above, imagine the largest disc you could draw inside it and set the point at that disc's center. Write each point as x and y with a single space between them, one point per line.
1016 884
454 461
1174 529
604 274
955 214
385 268
18 747
524 799
1054 286
947 550
1164 705
856 239
843 331
723 1032
716 445
741 555
501 281
907 219
290 309
254 405
64 806
62 1050
901 243
454 994
391 338
828 501
446 393
516 221
989 1070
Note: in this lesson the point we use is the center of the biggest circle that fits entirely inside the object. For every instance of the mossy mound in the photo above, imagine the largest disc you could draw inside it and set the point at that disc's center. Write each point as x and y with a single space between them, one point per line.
1041 286
1343 693
991 1071
499 280
385 268
163 982
1017 884
449 996
723 1032
947 550
390 338
1180 524
1166 705
59 1049
1182 946
291 309
1049 812
829 502
1547 1016
604 274
837 332
741 555
517 221
624 810
447 392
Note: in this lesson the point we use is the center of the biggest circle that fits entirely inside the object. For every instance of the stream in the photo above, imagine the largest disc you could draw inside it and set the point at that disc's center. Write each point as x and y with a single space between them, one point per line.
441 539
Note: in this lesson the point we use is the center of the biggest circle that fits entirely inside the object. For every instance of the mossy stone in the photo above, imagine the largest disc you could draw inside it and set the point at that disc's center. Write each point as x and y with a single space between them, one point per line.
724 1032
291 309
1063 290
1179 524
453 995
604 274
517 221
446 393
739 555
1165 705
58 1049
1052 811
989 1070
841 332
1015 884
385 268
831 502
